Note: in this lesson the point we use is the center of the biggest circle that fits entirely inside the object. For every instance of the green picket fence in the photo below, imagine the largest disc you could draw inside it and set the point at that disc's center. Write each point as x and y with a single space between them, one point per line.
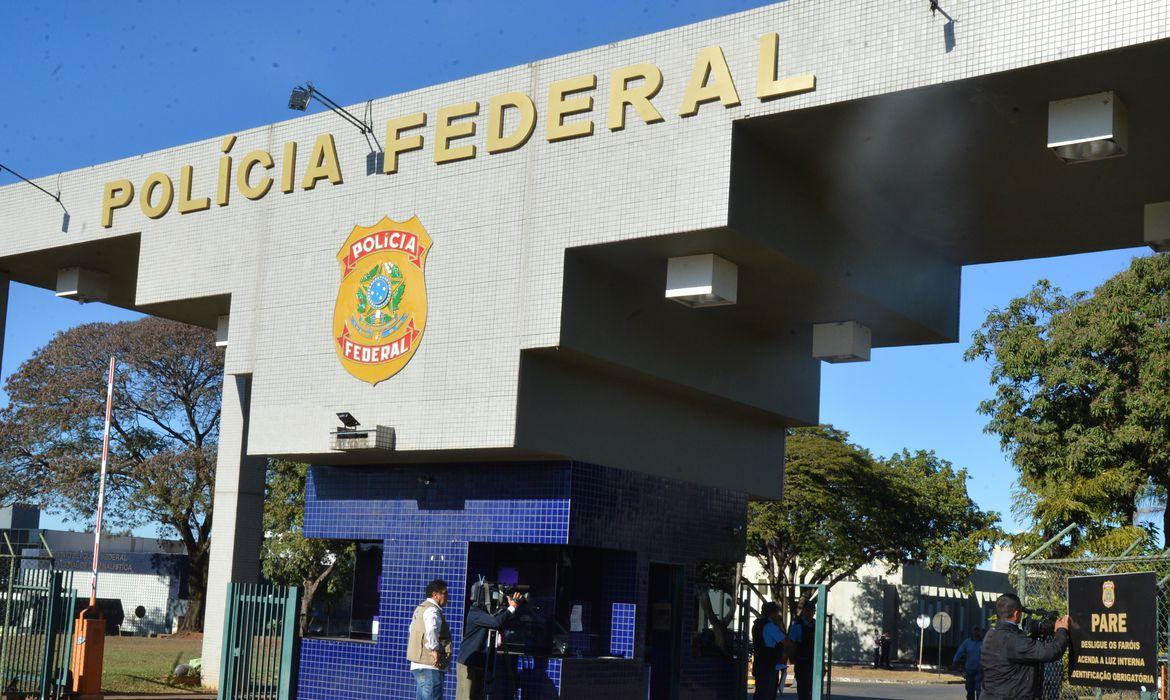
260 643
37 611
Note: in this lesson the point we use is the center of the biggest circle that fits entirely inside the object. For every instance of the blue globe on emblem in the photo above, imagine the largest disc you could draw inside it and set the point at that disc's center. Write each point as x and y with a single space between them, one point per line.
379 292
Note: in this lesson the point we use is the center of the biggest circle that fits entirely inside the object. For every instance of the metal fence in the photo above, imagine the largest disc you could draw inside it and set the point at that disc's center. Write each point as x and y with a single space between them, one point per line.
37 611
1043 583
751 598
260 643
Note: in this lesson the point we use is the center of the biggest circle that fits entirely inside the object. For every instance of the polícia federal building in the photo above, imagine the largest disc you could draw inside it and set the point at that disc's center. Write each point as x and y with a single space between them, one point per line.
573 306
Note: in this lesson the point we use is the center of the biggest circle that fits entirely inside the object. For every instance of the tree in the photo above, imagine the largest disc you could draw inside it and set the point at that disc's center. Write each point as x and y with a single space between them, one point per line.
1082 404
320 567
164 428
843 509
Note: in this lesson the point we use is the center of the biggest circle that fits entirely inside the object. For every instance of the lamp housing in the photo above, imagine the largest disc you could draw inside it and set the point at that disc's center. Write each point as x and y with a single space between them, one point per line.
700 281
1157 226
847 341
1088 128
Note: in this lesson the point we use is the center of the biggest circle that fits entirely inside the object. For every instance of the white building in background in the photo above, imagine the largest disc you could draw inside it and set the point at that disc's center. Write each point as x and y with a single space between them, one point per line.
141 580
877 598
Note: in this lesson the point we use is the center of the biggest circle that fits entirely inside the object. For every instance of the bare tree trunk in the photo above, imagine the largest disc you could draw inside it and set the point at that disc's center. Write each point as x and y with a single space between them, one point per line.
196 590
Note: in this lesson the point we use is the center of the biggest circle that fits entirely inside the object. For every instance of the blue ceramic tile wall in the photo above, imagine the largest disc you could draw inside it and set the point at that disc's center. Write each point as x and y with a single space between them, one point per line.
426 515
621 638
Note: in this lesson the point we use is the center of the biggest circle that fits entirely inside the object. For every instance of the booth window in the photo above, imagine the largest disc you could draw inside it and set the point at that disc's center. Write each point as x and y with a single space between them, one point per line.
349 608
571 593
715 608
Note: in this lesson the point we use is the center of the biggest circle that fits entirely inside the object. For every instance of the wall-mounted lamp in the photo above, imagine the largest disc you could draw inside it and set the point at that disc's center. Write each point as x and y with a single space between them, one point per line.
848 341
701 280
222 323
1157 226
82 284
1084 129
56 197
303 94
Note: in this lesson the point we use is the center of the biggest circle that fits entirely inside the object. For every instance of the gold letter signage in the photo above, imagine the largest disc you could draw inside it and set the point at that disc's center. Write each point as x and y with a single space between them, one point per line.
510 120
381 309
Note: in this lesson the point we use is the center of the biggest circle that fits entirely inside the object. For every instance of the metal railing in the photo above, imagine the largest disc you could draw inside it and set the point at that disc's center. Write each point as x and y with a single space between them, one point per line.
752 596
260 643
37 611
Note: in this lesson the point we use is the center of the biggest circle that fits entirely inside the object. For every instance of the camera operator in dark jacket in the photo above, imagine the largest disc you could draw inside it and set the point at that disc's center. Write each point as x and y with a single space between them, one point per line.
473 649
1013 662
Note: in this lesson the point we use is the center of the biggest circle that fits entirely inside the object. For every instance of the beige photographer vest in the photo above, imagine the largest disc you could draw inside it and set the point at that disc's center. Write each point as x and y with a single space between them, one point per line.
415 651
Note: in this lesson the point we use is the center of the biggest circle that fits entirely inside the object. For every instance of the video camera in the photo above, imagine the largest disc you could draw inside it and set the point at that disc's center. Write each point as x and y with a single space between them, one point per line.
531 630
494 596
1039 623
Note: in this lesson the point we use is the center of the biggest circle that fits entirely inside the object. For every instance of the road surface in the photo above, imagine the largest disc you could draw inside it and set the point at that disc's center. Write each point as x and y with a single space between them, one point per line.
891 691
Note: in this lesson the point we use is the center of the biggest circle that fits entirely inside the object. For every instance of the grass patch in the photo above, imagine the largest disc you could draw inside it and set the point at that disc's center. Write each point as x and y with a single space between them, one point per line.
141 665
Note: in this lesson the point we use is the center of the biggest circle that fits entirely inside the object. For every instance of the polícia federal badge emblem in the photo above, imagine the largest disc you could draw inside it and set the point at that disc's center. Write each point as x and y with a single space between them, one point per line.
1108 594
381 308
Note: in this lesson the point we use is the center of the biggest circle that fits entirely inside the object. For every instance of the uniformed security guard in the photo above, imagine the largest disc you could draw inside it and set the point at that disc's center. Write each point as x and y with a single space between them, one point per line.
1012 661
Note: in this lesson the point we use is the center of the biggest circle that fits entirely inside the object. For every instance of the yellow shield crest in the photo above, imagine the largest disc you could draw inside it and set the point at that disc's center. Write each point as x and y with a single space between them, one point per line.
381 308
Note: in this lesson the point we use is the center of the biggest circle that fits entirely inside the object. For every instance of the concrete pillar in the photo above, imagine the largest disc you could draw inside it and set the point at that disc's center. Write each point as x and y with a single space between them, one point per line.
236 526
3 313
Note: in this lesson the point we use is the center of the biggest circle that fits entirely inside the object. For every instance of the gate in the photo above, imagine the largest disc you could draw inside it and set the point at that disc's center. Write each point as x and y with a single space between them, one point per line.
260 643
751 598
1043 583
37 610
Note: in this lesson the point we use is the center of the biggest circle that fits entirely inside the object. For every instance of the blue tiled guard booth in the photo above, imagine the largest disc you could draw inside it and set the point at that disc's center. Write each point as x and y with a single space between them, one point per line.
427 515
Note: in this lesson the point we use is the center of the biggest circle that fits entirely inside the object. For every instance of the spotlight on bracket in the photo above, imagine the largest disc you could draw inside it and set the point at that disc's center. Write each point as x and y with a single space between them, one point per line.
351 437
848 341
701 280
1084 129
1157 226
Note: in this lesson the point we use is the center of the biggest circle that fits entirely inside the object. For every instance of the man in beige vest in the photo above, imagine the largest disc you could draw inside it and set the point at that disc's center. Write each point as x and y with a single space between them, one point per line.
429 644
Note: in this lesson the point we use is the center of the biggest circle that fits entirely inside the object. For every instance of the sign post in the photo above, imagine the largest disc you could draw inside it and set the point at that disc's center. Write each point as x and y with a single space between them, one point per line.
90 634
923 623
941 624
1113 631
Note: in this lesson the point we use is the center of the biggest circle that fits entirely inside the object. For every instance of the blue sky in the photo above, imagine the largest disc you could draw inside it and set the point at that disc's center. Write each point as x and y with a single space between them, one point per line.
86 83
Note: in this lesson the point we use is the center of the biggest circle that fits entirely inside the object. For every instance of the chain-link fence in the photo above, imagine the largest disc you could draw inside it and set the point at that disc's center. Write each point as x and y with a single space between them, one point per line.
1043 584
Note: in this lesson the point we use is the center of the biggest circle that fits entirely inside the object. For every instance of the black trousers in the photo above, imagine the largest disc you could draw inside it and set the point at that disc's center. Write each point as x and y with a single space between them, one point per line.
804 681
766 685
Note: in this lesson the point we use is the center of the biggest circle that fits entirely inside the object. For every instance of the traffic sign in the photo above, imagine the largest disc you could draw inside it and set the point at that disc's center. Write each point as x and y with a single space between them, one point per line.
941 622
923 621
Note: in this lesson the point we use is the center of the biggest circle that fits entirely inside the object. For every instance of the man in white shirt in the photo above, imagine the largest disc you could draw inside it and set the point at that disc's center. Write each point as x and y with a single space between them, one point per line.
429 644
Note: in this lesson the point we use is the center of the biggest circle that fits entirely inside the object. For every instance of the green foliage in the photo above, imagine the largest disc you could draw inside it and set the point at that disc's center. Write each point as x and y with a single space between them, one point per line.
322 568
1082 405
843 509
164 427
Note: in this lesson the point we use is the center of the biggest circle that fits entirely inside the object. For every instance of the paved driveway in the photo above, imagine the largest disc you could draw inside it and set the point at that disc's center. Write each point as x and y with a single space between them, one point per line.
892 691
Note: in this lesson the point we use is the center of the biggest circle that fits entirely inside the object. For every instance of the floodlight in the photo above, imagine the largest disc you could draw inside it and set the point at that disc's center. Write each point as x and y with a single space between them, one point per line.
348 420
299 99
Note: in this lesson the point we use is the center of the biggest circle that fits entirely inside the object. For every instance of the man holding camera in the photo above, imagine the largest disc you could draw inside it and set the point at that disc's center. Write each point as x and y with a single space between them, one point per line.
473 650
1013 662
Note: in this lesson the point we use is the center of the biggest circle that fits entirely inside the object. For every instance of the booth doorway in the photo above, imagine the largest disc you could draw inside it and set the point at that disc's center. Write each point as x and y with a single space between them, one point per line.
664 630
